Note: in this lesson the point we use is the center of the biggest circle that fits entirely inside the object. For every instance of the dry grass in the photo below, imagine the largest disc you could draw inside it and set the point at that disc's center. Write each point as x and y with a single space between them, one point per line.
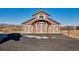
74 33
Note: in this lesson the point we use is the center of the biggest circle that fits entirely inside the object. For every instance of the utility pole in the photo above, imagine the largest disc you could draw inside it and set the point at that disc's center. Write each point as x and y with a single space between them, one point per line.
68 28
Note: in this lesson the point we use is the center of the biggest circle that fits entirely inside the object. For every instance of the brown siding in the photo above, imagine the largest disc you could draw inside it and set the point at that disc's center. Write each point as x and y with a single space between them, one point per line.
49 28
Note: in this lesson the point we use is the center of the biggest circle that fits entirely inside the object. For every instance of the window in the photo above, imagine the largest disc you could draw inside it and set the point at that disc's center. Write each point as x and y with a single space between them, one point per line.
41 17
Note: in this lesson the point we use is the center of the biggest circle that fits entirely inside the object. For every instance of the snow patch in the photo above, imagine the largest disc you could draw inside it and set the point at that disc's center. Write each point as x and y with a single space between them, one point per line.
30 36
53 37
45 37
36 37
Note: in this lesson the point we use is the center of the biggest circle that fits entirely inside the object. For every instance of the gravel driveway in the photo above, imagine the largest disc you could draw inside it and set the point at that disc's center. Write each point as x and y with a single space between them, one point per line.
42 42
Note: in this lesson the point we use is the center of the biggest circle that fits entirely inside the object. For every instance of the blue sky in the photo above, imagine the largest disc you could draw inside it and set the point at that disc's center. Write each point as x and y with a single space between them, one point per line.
66 16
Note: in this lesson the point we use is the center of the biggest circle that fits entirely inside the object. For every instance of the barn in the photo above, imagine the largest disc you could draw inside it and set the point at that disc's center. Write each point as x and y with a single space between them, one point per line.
41 23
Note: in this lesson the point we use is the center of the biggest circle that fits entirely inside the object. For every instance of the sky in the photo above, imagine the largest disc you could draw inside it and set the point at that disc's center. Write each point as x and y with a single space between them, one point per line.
65 16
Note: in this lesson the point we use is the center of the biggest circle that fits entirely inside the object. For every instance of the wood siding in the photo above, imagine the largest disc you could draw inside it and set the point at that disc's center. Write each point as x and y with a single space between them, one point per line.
41 26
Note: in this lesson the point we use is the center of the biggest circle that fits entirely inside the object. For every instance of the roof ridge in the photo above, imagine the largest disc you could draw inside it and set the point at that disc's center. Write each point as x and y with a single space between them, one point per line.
39 12
54 20
28 20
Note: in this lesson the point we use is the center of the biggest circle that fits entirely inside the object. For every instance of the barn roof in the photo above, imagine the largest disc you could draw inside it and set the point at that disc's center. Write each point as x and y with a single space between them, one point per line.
39 12
28 21
54 21
42 12
34 18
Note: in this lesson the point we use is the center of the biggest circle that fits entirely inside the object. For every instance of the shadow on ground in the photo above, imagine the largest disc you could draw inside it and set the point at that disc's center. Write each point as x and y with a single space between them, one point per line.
6 37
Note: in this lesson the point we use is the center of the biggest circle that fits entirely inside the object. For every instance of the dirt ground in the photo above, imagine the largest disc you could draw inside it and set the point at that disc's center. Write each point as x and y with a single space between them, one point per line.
52 42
